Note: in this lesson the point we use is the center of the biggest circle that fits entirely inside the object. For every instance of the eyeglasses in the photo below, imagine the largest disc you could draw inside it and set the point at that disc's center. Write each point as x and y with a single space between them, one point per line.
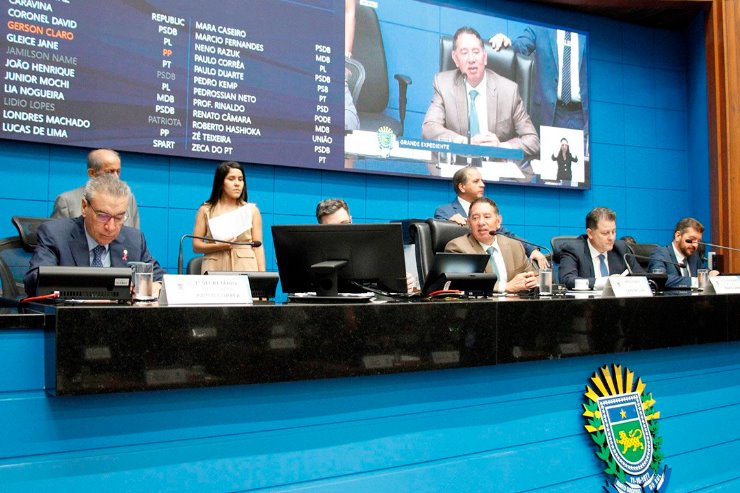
104 217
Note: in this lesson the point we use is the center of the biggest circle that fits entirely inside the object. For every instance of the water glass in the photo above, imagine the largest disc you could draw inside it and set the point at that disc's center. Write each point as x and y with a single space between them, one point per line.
545 282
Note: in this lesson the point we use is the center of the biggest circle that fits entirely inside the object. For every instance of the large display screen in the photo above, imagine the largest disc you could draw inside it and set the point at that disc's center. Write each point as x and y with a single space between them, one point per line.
306 83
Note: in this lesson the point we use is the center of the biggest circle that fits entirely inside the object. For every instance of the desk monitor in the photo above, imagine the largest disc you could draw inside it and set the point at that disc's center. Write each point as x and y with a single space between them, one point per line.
339 258
464 271
262 284
85 283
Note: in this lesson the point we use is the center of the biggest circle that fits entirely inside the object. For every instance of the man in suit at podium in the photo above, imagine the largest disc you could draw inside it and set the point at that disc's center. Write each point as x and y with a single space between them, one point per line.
97 238
597 254
508 260
469 185
682 251
99 161
473 100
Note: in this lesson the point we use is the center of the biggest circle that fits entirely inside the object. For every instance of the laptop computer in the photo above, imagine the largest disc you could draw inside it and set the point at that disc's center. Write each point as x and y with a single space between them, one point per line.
464 271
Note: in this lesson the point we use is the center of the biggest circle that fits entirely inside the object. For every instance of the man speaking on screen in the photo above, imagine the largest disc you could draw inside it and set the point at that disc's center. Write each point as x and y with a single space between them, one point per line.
475 101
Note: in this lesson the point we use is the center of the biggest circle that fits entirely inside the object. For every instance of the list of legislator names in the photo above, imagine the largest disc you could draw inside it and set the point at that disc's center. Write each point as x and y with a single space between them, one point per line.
198 81
37 74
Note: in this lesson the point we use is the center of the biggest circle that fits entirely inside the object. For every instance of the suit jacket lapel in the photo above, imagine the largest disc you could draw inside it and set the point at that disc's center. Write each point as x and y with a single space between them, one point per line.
461 95
589 264
674 259
116 252
552 39
78 245
491 101
458 207
615 266
693 263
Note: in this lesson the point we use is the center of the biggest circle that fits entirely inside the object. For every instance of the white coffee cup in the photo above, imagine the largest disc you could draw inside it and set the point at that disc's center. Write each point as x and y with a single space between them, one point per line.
581 284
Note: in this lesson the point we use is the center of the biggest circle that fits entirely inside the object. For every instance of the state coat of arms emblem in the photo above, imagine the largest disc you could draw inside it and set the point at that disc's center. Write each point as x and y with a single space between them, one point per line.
622 421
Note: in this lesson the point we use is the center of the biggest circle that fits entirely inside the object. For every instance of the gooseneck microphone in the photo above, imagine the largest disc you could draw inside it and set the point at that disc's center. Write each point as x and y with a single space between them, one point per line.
689 241
253 244
643 257
493 233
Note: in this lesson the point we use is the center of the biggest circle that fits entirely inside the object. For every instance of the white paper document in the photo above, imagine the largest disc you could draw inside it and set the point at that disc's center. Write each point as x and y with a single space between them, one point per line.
232 224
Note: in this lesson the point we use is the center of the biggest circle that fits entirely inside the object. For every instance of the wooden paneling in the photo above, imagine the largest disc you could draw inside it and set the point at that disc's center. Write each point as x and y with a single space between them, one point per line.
723 77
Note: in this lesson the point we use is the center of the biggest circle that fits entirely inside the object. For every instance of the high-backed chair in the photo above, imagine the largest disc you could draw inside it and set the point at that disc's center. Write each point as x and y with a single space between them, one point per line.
431 237
27 229
557 242
369 50
14 263
642 253
506 63
194 265
355 77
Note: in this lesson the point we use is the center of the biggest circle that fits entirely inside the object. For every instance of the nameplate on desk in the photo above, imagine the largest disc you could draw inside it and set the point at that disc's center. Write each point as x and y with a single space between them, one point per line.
205 290
626 287
723 285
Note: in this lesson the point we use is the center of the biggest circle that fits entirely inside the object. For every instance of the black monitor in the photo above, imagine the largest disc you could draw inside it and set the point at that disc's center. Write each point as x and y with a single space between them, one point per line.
337 258
85 283
261 284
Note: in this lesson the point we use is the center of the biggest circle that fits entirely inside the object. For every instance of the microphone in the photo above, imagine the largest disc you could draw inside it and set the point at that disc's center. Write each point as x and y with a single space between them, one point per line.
521 240
643 257
712 245
253 244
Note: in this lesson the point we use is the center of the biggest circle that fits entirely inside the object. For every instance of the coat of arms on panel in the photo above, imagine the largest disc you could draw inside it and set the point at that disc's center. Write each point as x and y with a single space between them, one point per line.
622 421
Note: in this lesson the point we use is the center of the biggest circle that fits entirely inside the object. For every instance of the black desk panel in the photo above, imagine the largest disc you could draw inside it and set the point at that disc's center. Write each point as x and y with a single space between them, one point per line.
93 349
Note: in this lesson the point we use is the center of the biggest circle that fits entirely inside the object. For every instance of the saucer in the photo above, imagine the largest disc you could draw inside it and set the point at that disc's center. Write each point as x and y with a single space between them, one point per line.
580 289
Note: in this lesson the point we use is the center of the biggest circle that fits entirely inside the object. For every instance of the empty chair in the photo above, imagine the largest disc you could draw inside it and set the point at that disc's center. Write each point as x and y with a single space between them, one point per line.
374 95
194 265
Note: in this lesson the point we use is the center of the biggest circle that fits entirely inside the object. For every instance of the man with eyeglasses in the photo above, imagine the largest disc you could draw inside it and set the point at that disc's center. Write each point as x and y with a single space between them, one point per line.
99 162
97 238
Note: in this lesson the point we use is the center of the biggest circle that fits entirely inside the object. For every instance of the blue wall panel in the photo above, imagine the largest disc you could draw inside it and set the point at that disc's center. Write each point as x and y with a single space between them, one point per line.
514 427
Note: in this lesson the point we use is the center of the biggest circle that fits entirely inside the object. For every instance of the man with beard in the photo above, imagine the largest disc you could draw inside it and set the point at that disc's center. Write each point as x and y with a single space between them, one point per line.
682 251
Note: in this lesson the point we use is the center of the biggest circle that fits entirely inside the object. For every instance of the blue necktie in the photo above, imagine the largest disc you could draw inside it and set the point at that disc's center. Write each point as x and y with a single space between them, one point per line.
565 71
98 252
474 124
602 266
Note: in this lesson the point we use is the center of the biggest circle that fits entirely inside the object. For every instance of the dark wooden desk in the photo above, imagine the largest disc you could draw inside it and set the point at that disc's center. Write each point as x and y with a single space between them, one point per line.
94 349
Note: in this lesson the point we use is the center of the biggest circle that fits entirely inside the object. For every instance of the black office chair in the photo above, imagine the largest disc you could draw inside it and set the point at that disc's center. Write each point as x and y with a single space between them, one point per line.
194 265
642 252
355 77
506 63
430 237
557 242
369 50
27 229
14 263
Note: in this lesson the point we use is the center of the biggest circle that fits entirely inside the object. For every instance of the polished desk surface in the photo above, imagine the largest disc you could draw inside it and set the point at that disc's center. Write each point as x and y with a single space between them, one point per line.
92 349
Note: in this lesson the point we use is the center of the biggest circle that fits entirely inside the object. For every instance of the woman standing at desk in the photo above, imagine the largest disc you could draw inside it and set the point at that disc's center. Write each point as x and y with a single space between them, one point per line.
229 194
